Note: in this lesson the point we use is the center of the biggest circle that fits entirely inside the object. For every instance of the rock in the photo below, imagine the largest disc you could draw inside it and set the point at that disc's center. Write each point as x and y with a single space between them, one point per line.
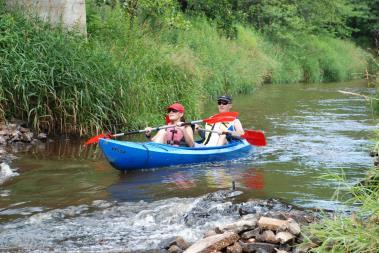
251 233
27 137
305 247
176 240
235 248
257 247
284 237
174 249
11 127
280 251
41 136
209 233
24 130
267 236
272 224
293 227
238 226
213 243
3 141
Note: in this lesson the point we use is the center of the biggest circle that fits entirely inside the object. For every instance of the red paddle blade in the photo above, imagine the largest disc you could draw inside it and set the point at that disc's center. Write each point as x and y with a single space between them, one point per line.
95 139
255 137
226 114
213 120
221 117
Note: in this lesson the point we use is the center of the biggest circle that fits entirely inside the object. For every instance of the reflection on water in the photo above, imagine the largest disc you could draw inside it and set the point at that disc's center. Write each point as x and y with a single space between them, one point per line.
310 129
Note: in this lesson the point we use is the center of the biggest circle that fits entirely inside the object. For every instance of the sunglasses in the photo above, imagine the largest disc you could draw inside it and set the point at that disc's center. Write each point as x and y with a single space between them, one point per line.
172 110
222 102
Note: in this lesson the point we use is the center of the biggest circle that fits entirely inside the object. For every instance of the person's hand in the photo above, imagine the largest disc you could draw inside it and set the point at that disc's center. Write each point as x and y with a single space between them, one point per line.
181 126
148 131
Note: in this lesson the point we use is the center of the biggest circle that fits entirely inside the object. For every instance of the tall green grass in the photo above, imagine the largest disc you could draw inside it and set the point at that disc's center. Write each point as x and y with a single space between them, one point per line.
357 232
124 74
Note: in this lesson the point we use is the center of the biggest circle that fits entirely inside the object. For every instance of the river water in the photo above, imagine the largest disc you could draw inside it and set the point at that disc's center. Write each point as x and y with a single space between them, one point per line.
66 197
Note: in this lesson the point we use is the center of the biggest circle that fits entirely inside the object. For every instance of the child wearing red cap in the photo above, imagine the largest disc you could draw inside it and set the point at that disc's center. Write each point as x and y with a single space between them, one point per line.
177 135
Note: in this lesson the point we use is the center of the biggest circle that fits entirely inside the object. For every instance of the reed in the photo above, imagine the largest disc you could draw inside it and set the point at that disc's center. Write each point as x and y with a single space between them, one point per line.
356 231
126 72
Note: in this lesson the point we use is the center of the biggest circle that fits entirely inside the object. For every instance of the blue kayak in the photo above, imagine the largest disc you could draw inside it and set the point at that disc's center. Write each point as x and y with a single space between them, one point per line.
125 155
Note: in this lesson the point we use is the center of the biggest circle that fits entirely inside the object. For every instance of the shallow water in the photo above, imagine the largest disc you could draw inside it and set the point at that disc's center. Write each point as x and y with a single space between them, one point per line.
70 198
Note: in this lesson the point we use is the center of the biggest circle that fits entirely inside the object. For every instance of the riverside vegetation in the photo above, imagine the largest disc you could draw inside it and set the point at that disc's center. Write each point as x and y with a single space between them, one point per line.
139 58
142 55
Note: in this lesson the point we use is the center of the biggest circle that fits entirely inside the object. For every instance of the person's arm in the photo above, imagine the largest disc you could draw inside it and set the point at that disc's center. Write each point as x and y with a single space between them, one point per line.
238 128
188 136
159 137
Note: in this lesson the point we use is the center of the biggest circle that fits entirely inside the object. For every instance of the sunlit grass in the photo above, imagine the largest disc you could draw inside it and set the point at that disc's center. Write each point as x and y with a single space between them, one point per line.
124 75
356 231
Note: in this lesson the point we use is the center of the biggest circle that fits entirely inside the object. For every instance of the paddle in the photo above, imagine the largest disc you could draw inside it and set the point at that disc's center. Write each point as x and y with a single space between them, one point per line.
253 137
220 117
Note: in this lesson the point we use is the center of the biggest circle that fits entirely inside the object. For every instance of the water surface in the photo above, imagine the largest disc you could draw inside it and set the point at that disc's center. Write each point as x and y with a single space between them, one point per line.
77 201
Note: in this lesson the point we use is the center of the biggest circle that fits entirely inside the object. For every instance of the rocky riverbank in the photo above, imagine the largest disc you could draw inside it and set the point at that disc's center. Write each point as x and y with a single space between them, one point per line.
14 134
264 226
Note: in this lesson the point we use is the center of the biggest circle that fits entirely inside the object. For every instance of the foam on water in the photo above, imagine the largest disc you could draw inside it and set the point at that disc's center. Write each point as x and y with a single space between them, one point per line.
110 226
6 173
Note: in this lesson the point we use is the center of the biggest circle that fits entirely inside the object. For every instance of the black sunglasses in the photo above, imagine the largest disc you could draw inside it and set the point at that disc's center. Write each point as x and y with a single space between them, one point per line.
222 102
172 110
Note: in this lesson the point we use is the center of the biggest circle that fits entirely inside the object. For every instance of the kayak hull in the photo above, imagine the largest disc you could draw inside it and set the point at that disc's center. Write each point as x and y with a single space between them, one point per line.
124 155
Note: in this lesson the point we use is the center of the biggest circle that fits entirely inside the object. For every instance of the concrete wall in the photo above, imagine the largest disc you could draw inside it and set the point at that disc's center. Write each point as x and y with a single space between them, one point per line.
69 13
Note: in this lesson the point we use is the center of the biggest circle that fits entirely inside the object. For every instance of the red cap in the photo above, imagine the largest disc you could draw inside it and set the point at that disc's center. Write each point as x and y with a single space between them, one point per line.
176 106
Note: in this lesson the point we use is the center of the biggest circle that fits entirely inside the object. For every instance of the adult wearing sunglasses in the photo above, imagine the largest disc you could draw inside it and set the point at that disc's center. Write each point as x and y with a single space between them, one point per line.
178 135
225 130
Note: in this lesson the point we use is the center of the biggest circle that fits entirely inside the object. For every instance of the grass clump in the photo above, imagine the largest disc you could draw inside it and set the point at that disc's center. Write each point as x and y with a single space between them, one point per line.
358 231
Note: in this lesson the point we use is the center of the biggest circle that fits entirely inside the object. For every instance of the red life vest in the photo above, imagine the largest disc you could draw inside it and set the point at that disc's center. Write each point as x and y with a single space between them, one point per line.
174 136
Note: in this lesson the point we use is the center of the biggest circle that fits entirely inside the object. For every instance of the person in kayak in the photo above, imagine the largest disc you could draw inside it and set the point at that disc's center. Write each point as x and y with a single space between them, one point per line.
226 130
178 135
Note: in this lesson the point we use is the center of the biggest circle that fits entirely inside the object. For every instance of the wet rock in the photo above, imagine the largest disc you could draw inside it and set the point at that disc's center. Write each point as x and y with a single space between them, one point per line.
27 137
293 227
209 233
205 209
280 251
238 226
3 141
257 247
373 153
176 240
174 249
42 136
272 224
268 236
213 243
263 207
305 247
250 234
235 248
284 237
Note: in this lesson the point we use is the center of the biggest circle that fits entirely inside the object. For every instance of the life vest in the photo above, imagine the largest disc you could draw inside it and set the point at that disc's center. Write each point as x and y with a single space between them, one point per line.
175 137
214 139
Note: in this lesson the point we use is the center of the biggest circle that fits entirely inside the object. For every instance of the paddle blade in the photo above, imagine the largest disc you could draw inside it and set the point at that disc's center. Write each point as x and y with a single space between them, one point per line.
96 139
255 137
221 117
226 114
213 120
